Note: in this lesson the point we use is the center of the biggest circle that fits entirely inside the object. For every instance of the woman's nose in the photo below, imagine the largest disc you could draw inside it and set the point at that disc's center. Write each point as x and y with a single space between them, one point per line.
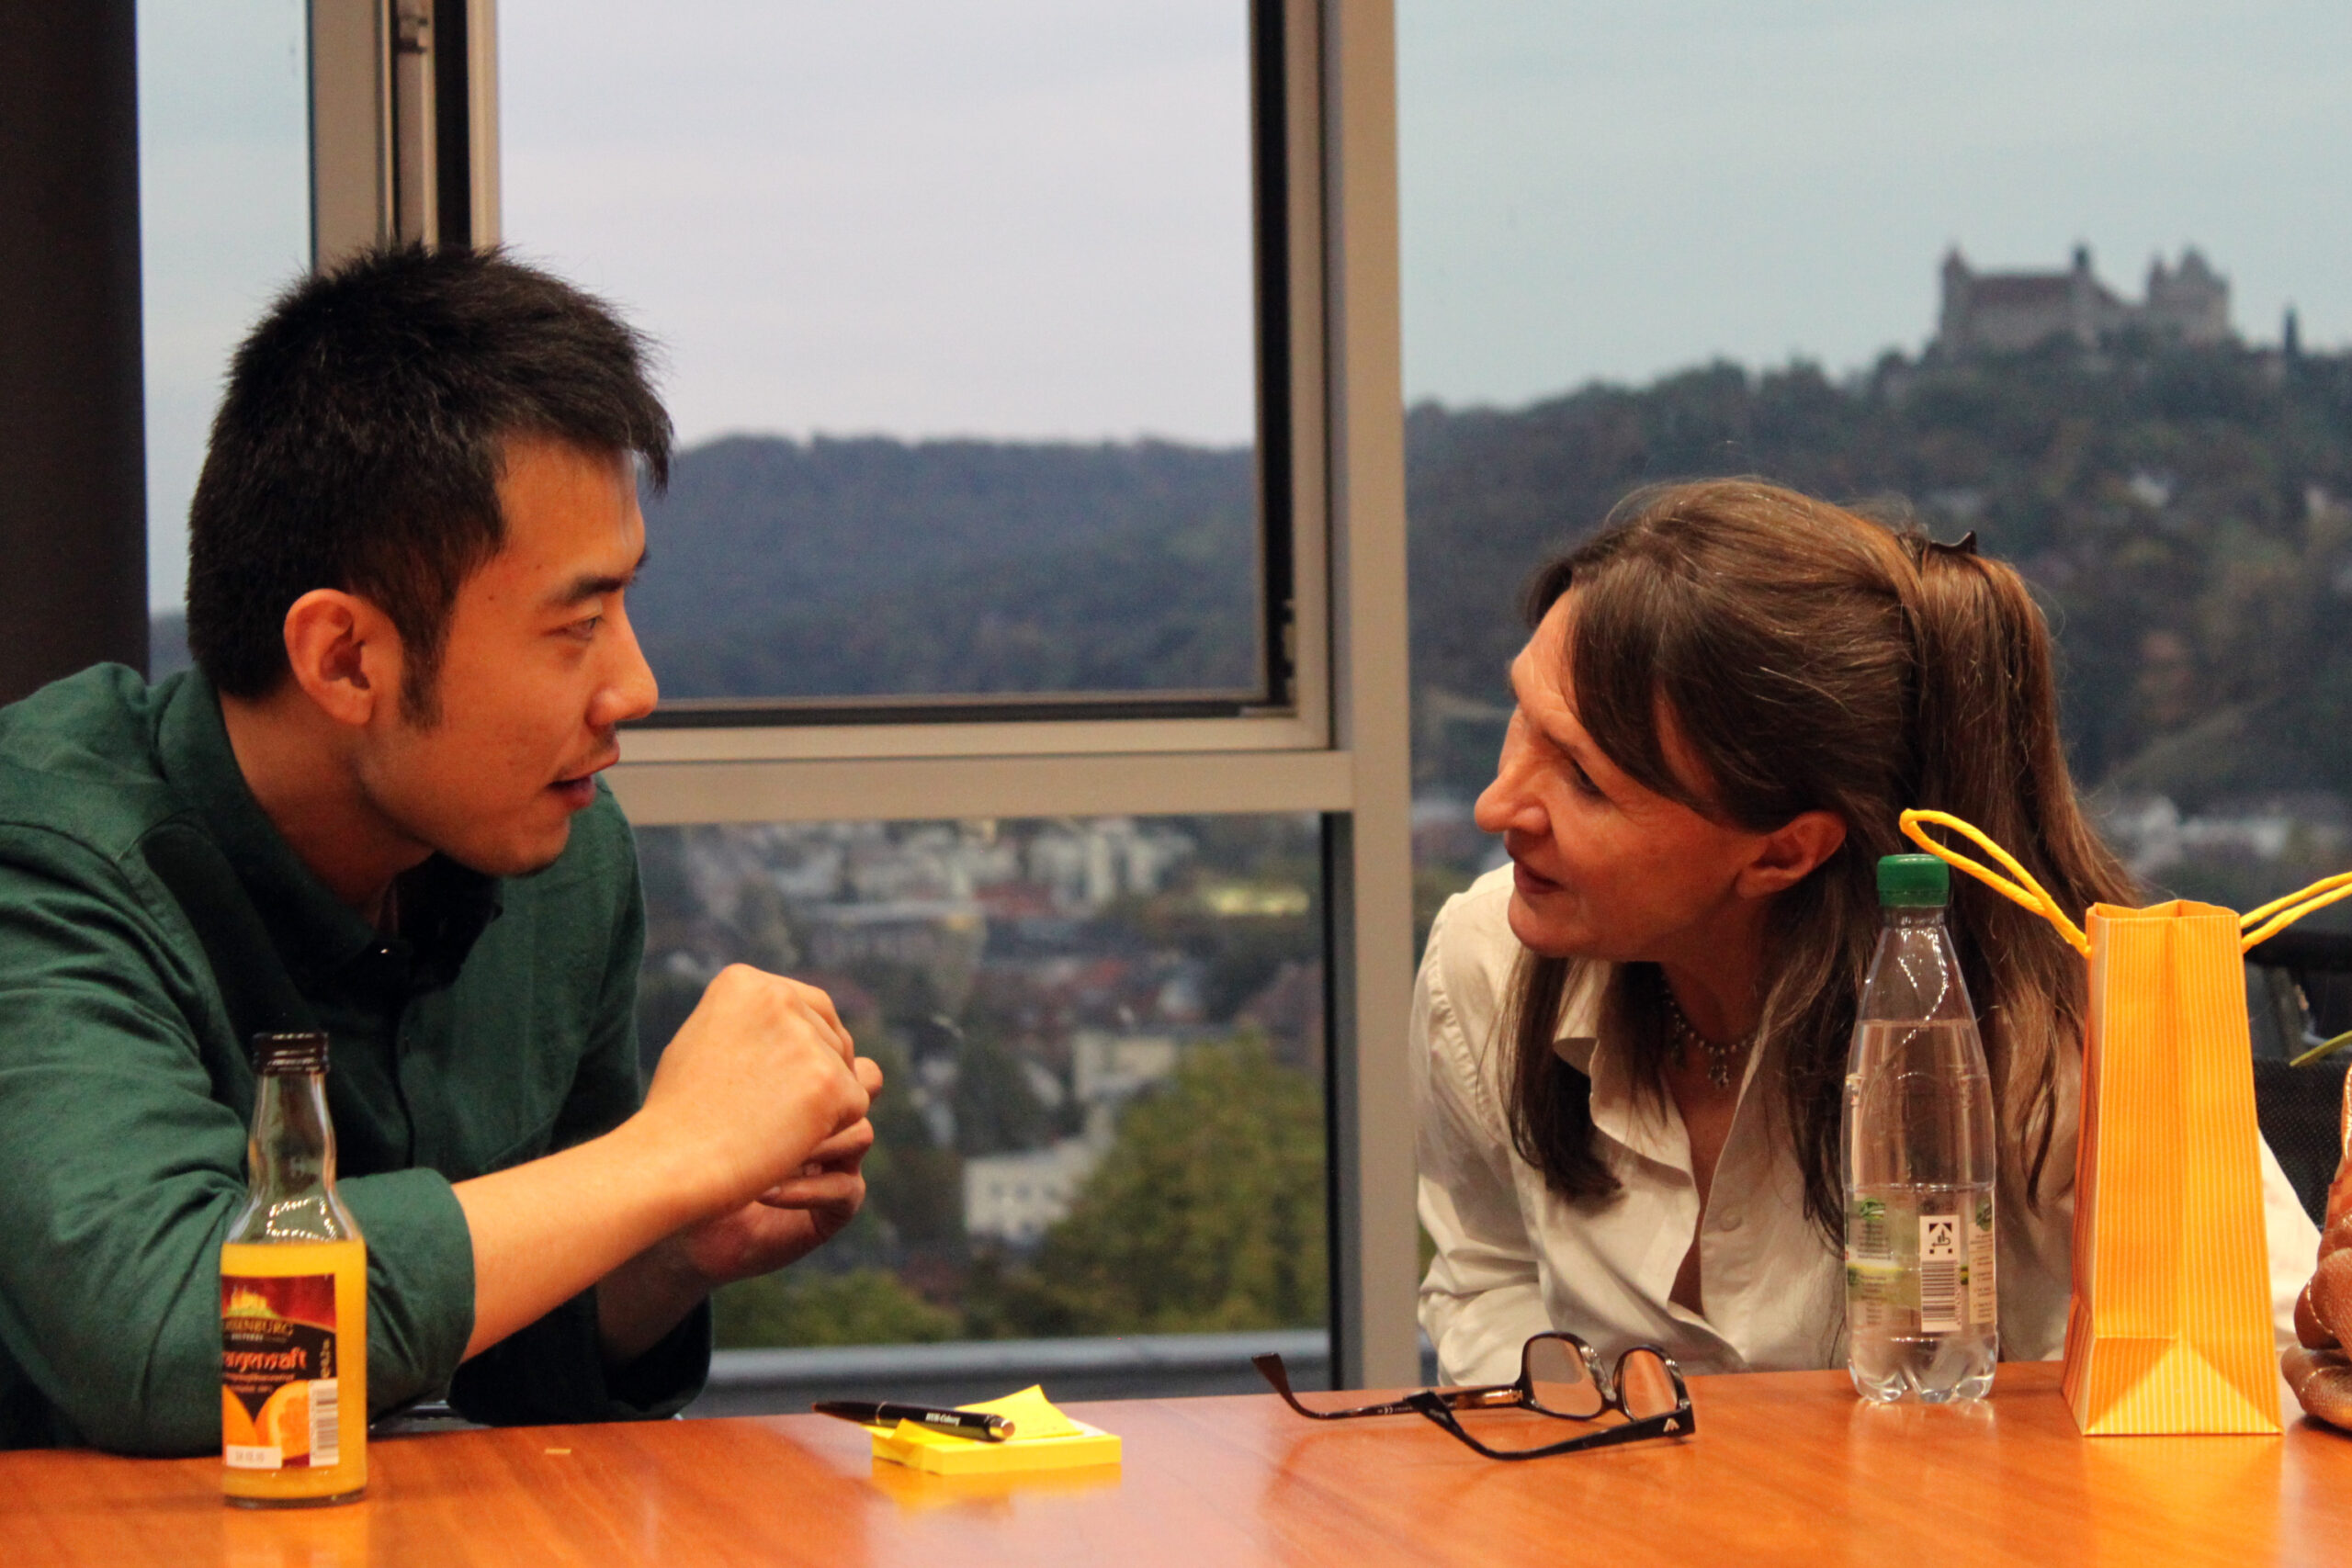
1502 810
1510 802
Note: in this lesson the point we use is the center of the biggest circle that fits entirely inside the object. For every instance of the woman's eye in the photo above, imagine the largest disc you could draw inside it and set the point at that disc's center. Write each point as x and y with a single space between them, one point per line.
1582 781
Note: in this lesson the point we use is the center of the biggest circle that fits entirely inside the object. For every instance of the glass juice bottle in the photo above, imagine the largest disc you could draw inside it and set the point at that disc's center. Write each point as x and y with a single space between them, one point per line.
1922 1305
293 1300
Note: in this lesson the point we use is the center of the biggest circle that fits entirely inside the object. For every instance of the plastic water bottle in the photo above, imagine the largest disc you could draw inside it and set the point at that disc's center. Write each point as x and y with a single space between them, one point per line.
1922 1309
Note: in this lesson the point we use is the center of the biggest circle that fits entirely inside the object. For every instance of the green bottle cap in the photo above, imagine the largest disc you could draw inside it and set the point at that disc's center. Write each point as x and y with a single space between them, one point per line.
1913 881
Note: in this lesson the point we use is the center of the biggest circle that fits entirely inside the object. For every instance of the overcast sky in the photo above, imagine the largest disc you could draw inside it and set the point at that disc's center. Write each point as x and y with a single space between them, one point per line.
1022 218
1030 219
1615 190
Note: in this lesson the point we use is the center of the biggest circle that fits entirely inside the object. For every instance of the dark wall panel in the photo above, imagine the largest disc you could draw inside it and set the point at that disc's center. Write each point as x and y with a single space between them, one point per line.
72 464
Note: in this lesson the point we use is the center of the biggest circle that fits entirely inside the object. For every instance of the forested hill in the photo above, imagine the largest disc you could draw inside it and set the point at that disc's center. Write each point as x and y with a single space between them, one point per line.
854 566
2186 516
849 567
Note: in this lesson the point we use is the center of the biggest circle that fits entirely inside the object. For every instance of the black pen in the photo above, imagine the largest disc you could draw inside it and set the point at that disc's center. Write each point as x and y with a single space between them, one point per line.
957 1423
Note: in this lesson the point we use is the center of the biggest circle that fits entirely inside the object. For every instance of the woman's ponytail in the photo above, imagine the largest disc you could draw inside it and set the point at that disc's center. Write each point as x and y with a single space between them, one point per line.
1986 740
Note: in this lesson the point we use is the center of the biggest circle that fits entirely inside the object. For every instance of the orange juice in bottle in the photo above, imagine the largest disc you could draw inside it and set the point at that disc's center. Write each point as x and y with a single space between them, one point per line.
293 1300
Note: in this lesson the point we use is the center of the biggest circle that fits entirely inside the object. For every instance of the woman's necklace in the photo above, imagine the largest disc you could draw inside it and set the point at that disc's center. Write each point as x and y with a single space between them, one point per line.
1719 1057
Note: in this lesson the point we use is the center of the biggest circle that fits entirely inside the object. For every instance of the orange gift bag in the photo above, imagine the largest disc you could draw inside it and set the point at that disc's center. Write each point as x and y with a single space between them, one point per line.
2168 1329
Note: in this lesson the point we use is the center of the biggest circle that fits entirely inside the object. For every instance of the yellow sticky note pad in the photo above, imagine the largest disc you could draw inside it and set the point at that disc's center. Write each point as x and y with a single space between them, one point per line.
1044 1438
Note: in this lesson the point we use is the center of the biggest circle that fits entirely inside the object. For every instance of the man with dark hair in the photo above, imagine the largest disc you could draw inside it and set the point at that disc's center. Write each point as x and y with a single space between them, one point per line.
372 809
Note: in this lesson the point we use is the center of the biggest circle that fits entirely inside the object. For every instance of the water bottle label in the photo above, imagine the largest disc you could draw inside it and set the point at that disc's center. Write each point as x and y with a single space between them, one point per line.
1984 1297
1873 1276
1939 1254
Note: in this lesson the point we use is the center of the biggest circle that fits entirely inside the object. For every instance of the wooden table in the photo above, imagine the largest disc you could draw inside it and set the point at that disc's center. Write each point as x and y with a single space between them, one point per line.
1785 1468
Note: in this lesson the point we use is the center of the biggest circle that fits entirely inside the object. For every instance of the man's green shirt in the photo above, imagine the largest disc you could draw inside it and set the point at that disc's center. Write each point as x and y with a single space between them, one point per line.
150 915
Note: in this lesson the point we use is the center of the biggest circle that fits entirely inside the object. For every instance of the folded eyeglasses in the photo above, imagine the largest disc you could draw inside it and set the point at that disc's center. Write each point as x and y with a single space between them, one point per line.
1559 1376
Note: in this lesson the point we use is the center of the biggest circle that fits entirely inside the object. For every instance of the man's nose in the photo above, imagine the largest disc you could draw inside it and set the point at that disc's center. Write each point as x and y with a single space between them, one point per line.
630 690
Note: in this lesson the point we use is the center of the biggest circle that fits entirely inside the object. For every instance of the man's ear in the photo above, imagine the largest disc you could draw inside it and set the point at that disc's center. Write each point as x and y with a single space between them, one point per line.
344 653
1788 855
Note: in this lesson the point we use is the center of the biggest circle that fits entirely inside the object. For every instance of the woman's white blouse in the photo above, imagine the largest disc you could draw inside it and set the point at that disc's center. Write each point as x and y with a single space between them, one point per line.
1514 1259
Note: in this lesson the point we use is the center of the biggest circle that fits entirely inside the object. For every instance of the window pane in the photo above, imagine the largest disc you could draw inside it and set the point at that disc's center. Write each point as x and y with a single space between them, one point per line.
958 307
1104 1043
224 200
2071 280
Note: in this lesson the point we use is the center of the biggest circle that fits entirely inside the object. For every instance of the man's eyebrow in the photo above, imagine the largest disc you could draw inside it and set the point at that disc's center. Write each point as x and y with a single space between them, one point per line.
595 585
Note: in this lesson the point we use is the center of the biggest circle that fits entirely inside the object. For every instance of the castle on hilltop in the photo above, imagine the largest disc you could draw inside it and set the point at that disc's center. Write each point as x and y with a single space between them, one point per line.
2001 313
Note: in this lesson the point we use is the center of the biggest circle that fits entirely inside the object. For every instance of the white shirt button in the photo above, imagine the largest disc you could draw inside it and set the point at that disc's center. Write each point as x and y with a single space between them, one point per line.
1732 1219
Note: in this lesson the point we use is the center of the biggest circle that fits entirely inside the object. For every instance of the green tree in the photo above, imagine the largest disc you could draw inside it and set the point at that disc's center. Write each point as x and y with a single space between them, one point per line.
1205 1215
996 1109
914 1190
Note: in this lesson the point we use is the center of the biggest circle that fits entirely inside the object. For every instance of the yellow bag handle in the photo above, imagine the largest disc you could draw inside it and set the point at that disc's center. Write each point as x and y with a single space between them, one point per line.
2280 913
2024 890
2259 925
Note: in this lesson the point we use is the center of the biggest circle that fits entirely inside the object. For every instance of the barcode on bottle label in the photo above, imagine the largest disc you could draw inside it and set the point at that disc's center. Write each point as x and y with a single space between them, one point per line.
326 1423
1938 1273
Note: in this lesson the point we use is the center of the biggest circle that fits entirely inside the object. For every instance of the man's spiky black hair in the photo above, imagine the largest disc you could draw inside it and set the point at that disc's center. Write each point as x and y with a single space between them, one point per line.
359 444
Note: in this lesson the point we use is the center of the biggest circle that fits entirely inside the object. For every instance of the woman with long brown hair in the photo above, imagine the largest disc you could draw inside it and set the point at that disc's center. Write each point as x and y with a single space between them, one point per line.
1629 1046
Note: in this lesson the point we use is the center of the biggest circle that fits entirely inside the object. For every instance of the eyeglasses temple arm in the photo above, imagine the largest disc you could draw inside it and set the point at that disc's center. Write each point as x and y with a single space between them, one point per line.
1269 1367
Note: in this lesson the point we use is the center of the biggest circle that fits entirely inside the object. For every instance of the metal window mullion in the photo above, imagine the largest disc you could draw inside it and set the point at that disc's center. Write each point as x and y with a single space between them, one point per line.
351 117
934 788
1308 399
385 95
1051 737
1375 1253
484 216
416 186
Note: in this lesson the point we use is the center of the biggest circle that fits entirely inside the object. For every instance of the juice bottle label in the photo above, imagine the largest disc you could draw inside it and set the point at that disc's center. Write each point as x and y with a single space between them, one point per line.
281 1407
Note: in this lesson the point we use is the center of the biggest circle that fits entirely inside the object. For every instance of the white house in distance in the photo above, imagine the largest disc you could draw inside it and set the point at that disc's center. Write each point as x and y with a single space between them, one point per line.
1107 1070
2003 312
1014 1198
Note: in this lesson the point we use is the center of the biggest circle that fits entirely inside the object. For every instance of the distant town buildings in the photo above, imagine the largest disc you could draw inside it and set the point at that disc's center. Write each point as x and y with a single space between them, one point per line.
1007 962
2156 838
2003 312
1086 865
941 936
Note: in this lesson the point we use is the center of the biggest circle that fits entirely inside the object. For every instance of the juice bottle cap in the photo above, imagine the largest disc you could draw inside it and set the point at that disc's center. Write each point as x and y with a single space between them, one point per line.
290 1053
1913 881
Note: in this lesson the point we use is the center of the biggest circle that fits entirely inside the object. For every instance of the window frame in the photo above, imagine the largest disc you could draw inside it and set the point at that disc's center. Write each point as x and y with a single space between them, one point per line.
1340 746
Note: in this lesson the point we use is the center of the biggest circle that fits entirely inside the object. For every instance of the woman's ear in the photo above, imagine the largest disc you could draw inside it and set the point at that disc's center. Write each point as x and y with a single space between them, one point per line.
1788 855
